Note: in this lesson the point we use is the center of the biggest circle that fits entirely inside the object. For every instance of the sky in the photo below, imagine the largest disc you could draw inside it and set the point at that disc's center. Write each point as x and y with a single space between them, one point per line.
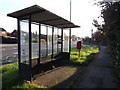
83 13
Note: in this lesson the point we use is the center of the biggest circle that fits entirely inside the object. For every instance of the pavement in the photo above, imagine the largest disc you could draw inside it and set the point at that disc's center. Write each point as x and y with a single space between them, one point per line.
99 74
59 77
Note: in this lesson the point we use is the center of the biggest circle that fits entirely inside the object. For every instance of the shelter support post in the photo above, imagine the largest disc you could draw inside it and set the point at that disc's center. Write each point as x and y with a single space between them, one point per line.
39 43
19 48
70 40
57 39
30 48
62 40
52 41
47 40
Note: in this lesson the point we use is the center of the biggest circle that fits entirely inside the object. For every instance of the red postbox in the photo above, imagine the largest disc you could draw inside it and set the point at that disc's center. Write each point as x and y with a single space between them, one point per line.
79 45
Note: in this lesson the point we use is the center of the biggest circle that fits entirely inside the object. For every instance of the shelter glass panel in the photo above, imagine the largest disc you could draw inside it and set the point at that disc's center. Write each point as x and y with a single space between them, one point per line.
59 42
24 41
74 38
66 40
55 39
35 41
49 40
43 40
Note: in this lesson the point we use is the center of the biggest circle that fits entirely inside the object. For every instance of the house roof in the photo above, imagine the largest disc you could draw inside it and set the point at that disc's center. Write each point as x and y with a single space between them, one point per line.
2 29
43 16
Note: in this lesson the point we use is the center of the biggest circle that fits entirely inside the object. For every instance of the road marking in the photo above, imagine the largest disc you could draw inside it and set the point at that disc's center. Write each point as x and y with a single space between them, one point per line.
14 48
7 57
16 53
3 49
9 60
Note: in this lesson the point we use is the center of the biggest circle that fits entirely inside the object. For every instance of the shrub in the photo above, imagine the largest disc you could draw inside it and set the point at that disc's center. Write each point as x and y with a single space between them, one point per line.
43 40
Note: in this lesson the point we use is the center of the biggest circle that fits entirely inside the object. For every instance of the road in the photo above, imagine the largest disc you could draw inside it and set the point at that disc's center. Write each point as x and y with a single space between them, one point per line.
9 52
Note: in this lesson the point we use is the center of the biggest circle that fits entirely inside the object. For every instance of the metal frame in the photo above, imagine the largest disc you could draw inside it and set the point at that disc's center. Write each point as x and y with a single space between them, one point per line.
30 47
39 44
57 38
52 41
19 47
62 40
70 40
46 40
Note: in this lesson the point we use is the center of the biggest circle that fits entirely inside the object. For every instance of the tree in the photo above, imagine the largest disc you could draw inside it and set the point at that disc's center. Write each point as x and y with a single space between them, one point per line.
99 38
111 14
86 40
74 37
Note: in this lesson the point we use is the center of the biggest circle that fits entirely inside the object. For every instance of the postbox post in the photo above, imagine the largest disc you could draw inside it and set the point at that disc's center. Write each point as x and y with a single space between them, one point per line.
79 53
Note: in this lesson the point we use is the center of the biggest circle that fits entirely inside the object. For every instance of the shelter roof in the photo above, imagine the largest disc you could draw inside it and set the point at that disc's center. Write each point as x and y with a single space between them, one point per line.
43 16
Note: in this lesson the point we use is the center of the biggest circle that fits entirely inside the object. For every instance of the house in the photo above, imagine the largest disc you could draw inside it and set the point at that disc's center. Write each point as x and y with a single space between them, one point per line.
3 32
14 34
43 36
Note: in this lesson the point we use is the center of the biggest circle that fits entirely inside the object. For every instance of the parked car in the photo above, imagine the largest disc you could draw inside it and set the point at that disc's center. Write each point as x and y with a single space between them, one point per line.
59 41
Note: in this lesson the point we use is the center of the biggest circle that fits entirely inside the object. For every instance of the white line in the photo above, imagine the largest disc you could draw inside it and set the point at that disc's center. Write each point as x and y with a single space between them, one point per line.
14 48
3 49
1 45
16 53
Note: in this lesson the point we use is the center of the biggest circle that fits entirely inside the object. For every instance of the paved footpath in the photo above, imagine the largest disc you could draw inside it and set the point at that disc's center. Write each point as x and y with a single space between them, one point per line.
99 74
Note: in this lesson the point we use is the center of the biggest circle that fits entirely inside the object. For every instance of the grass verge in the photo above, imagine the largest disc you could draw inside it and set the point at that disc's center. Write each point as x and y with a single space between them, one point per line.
10 78
10 75
86 54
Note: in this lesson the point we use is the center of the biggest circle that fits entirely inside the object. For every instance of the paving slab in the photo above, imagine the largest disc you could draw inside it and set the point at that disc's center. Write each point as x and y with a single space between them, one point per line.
57 78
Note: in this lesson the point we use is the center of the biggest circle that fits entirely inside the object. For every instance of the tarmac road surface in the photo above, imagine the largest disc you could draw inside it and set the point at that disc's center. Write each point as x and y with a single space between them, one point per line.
9 52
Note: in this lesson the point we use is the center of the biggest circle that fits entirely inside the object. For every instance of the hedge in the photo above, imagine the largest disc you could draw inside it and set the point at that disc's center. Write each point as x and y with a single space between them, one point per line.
8 40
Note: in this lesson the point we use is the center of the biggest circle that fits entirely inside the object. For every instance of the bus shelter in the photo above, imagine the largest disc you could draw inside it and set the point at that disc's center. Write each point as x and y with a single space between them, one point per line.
42 37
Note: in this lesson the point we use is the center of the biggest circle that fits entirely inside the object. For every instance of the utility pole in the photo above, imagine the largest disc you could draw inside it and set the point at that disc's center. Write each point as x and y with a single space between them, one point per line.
91 37
70 30
70 9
